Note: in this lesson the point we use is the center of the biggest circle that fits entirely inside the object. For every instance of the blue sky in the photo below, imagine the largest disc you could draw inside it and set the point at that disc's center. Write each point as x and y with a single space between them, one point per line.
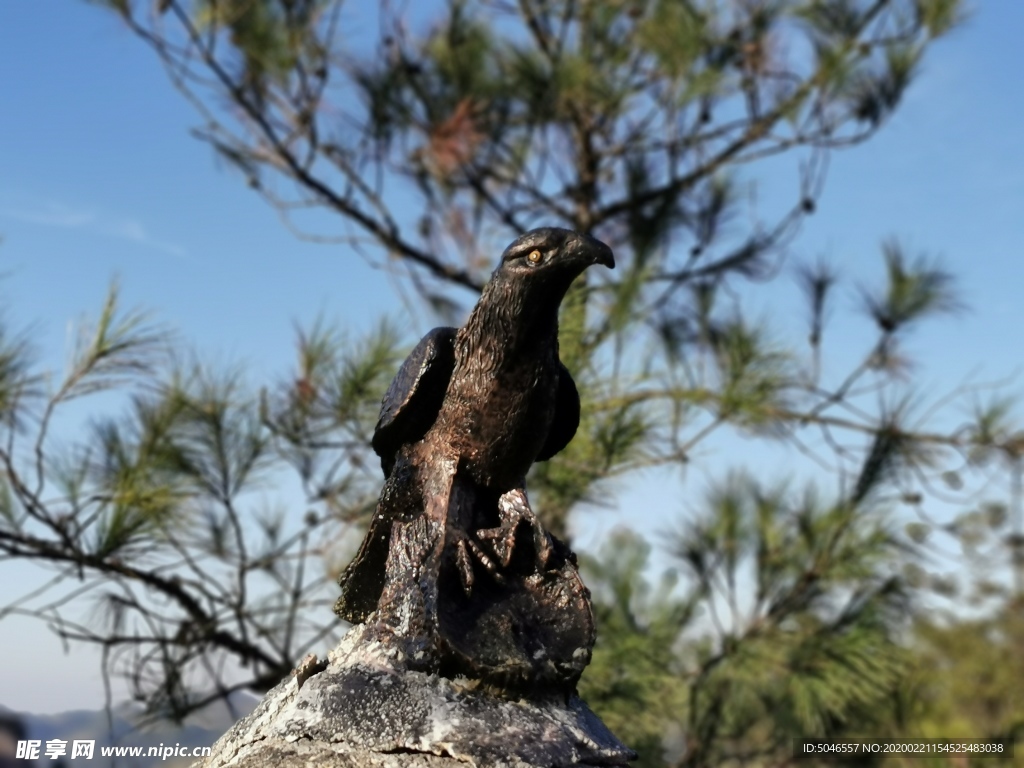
100 179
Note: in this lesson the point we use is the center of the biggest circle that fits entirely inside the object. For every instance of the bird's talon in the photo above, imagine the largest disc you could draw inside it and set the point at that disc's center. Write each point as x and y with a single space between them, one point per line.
481 556
514 508
465 546
542 544
502 541
465 566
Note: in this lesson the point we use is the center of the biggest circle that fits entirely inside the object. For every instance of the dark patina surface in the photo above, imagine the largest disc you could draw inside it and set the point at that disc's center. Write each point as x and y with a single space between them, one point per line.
455 568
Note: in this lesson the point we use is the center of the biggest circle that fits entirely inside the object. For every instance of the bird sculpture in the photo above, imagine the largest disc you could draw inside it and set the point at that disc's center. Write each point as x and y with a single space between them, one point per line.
470 410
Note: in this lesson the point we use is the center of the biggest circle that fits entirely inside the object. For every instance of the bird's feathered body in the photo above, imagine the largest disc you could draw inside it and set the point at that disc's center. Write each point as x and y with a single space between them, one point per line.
481 403
503 397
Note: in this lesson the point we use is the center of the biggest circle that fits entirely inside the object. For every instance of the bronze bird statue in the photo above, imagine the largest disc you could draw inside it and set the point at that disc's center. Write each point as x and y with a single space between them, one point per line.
466 416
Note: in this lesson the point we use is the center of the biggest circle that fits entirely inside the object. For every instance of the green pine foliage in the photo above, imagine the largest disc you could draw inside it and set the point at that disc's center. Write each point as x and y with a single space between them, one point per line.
965 679
637 680
784 621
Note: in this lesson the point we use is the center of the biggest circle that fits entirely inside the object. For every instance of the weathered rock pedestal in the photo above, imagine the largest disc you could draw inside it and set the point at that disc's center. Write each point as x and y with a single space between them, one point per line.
365 708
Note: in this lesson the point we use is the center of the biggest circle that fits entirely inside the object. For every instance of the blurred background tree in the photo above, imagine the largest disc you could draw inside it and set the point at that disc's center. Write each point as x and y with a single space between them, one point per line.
644 123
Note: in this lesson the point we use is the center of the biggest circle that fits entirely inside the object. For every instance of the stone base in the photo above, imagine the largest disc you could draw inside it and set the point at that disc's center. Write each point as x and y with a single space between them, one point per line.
366 709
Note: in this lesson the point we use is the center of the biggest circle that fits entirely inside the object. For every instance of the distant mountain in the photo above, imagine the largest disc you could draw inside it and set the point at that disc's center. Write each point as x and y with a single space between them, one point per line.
200 730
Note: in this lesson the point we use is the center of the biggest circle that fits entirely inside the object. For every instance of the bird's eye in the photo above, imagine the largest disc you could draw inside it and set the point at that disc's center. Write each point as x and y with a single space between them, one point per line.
534 257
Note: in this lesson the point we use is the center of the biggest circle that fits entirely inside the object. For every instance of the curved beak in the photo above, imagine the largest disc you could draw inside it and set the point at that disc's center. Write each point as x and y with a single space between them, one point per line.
595 251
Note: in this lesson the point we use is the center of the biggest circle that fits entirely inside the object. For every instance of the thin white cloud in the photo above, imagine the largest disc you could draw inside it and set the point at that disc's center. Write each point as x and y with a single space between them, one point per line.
55 214
50 215
133 230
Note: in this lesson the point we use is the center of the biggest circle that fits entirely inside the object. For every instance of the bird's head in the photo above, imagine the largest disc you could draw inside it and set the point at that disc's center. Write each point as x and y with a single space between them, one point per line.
524 293
553 257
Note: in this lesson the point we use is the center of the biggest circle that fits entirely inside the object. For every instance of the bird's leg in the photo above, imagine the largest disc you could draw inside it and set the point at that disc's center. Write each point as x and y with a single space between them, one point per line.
467 550
459 534
513 508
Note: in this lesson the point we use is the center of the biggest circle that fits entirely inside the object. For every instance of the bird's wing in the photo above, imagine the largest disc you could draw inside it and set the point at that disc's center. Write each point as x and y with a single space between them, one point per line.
414 398
412 492
567 416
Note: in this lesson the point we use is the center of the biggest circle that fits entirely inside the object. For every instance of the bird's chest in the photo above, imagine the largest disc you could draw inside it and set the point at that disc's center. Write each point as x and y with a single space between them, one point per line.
499 417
